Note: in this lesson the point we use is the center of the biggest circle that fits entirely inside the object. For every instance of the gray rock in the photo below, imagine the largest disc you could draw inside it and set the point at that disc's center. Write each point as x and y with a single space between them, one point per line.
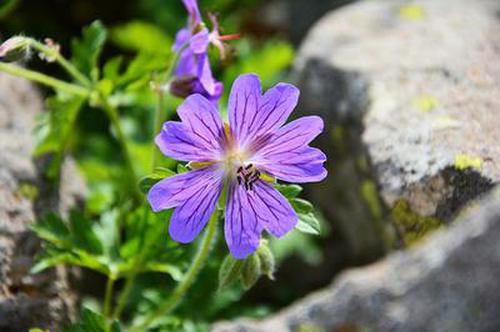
410 91
41 300
448 282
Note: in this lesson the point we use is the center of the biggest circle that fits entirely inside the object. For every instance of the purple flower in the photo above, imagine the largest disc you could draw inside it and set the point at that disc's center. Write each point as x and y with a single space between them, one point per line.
256 142
193 72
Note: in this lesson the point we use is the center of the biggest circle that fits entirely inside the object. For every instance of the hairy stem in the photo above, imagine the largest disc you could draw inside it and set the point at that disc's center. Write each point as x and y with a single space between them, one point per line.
180 291
68 66
44 79
108 296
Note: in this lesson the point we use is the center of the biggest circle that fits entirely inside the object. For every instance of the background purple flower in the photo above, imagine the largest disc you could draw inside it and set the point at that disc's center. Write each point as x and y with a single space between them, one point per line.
256 142
193 65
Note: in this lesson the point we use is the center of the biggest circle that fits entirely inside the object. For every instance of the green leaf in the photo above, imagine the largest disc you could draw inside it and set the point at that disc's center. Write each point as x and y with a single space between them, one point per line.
83 235
91 321
111 69
141 36
250 271
150 180
50 258
54 129
87 50
140 70
302 206
230 271
289 191
166 268
51 228
108 232
181 168
308 223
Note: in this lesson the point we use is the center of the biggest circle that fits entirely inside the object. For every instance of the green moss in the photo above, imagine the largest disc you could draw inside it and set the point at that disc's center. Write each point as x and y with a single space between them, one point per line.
411 225
28 191
338 135
309 328
369 193
362 163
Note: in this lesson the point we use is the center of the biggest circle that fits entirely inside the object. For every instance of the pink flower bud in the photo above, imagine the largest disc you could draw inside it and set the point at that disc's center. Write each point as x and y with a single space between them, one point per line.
14 49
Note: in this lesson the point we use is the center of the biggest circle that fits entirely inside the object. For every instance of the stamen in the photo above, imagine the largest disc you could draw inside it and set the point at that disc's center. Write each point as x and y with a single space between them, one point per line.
247 175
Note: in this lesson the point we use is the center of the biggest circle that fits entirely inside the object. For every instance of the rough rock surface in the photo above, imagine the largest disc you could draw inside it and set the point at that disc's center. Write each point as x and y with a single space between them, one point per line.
448 282
42 300
427 76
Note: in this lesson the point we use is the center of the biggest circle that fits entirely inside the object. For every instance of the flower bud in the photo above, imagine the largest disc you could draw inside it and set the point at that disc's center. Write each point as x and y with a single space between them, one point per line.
250 272
14 49
229 271
267 262
183 86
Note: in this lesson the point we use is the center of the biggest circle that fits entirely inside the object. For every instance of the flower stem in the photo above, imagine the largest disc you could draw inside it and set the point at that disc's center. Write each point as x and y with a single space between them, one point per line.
108 296
112 113
44 79
179 292
68 66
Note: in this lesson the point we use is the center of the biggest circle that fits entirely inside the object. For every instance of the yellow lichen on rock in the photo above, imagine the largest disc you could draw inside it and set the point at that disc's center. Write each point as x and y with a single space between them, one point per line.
464 161
412 12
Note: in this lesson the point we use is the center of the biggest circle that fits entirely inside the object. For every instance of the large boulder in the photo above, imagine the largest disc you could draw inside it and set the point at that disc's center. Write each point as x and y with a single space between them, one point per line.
410 93
26 300
448 282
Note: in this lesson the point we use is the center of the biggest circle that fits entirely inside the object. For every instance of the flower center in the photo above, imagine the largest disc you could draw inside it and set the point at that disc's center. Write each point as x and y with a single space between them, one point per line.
247 176
236 162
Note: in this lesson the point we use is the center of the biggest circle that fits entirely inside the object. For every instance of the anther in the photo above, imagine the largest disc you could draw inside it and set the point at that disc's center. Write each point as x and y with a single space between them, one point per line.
248 167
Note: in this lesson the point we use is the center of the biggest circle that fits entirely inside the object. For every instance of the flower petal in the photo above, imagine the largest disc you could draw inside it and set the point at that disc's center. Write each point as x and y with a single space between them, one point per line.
243 104
193 10
299 166
274 109
204 73
287 155
186 66
296 134
198 137
178 189
190 218
181 38
199 42
203 119
249 212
